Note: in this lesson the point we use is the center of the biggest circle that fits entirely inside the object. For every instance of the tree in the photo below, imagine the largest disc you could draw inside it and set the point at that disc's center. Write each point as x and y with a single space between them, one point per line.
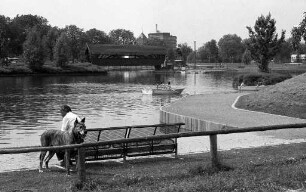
95 36
297 34
61 50
185 50
34 49
50 41
4 36
284 53
122 37
76 41
19 28
264 42
230 48
209 52
170 54
246 57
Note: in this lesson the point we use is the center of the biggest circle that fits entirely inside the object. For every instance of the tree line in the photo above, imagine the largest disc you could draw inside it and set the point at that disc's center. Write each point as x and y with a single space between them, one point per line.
262 46
32 37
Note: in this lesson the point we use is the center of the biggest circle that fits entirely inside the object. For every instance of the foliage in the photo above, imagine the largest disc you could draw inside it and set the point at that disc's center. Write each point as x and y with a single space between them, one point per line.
284 54
298 33
122 37
170 54
34 49
61 50
4 36
253 79
19 28
264 42
191 57
76 41
50 41
246 57
231 48
209 52
185 50
95 36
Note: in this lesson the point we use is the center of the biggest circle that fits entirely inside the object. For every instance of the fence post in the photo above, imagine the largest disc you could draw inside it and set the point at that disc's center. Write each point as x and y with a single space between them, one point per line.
67 160
214 151
81 165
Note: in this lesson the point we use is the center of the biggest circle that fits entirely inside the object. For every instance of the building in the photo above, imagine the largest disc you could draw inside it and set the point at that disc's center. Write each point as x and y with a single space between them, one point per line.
125 55
169 40
142 39
298 58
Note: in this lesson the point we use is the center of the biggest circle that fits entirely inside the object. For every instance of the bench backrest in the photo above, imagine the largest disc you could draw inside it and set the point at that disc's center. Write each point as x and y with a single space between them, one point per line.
114 133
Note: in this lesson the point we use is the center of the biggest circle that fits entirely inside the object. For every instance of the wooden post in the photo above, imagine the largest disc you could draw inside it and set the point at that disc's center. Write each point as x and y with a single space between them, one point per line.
67 160
214 151
81 165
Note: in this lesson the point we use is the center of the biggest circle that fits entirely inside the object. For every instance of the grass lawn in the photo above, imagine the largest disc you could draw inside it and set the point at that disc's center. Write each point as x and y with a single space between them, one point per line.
267 169
286 98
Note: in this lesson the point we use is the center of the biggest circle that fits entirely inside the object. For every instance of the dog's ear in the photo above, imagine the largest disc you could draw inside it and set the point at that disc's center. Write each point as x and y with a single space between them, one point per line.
76 121
83 120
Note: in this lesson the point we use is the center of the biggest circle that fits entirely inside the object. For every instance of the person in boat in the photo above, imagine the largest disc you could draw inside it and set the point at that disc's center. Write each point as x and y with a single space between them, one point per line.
169 85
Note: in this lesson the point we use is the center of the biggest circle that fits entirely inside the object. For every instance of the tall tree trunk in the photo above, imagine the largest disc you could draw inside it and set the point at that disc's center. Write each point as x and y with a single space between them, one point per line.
264 66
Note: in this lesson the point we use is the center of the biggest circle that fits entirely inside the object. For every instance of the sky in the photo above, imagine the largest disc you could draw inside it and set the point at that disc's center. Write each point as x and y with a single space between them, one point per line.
194 22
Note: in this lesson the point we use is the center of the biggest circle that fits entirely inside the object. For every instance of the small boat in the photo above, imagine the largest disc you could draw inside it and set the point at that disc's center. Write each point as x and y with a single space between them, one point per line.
163 91
147 91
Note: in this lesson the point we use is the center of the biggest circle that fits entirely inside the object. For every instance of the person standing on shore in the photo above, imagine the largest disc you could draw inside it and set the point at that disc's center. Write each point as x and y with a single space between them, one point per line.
67 125
68 118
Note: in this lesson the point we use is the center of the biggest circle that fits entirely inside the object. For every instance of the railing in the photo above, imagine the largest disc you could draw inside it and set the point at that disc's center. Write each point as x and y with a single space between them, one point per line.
211 134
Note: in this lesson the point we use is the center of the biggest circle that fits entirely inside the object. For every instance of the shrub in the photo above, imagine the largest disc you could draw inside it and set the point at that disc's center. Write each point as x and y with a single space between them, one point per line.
253 79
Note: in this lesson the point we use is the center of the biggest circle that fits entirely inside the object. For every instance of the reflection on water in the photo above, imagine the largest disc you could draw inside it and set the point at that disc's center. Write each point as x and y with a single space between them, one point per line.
30 105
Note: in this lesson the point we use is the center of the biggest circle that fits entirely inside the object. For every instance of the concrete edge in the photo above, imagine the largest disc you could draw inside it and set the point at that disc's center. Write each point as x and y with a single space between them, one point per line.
194 124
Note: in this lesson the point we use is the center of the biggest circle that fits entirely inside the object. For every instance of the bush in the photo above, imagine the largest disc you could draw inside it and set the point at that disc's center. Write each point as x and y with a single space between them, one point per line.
253 79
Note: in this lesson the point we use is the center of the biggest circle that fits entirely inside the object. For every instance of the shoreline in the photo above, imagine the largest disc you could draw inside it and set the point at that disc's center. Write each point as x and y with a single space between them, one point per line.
53 74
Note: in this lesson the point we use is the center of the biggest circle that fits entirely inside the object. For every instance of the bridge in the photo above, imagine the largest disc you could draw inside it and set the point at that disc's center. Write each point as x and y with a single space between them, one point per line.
125 55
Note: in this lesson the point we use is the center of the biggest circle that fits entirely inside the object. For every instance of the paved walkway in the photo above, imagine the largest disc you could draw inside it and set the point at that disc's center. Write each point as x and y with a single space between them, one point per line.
217 111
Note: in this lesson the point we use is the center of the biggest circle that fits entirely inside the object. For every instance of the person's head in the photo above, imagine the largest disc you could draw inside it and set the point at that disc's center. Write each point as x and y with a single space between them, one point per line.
64 110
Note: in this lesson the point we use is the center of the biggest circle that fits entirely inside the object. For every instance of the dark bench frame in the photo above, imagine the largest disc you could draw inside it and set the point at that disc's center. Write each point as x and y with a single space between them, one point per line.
123 150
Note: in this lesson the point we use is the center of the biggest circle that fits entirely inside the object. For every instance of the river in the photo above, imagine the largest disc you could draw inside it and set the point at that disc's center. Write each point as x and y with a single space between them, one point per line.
30 104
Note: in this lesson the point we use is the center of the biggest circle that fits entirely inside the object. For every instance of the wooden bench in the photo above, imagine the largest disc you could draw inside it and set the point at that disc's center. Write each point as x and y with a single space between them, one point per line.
120 150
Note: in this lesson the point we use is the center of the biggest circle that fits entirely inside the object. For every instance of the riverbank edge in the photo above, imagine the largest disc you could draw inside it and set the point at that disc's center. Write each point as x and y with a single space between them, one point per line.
53 73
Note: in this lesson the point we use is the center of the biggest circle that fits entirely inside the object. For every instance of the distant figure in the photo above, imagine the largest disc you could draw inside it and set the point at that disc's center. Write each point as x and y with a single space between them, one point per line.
169 85
240 87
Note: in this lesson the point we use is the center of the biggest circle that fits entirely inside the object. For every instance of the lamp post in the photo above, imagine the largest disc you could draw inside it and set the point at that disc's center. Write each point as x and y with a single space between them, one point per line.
195 54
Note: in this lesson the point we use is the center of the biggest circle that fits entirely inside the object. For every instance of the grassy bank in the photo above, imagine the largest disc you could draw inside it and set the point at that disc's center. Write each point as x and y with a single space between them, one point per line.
285 98
50 68
20 68
274 168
